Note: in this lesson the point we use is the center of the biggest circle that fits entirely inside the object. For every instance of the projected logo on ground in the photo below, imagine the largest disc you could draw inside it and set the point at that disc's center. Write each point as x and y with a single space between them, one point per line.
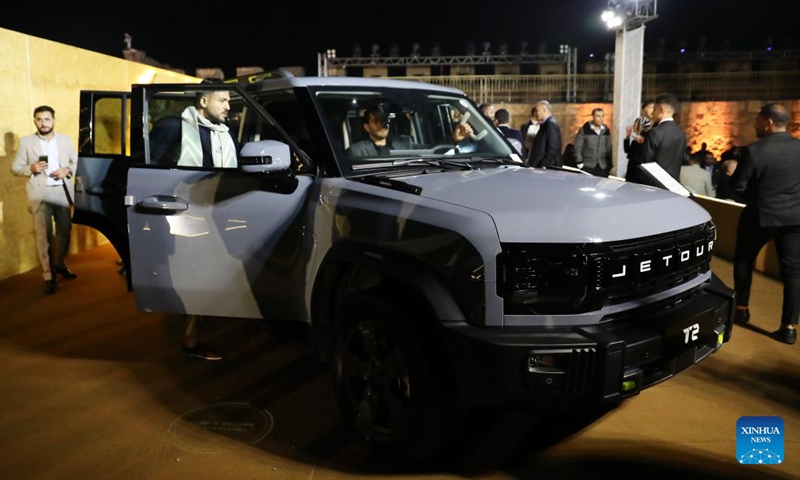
759 440
220 427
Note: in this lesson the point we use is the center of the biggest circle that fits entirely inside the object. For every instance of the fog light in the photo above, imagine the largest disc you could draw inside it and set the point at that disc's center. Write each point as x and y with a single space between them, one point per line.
628 385
535 361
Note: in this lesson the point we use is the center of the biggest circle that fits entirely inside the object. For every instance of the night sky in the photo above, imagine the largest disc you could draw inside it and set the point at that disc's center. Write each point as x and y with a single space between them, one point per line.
291 33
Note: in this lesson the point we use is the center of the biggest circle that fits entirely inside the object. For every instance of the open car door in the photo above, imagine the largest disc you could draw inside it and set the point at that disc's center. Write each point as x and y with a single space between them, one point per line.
217 241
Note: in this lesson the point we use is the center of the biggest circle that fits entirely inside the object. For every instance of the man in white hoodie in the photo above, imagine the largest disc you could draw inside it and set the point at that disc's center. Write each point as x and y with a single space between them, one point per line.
200 137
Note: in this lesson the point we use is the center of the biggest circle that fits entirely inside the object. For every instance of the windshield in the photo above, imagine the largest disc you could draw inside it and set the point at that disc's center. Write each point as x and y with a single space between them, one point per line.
385 126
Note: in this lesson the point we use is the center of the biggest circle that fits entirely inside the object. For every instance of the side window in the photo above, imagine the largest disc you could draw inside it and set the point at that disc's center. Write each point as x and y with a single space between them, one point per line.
197 128
286 111
110 127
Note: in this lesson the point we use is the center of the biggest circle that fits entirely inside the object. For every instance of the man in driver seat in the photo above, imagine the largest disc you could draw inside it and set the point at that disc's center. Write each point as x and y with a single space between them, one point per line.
379 143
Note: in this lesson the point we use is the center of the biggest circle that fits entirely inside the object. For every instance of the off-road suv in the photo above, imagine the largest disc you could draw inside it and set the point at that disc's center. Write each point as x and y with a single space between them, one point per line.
432 274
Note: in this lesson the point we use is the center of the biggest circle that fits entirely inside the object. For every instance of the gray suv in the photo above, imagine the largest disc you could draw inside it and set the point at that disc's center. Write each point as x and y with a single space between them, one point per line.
433 274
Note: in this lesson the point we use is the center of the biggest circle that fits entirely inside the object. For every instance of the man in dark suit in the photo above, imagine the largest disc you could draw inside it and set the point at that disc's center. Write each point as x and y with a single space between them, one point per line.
502 118
665 144
768 176
546 149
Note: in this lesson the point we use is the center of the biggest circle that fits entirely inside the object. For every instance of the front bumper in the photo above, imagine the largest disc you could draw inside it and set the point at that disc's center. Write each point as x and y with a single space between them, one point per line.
590 365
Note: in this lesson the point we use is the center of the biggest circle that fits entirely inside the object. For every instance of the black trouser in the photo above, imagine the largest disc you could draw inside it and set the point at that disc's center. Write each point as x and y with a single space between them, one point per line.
750 238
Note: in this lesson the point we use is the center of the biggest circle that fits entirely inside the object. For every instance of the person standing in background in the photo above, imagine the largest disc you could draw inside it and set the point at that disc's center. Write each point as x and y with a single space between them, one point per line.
488 112
502 118
769 179
529 130
546 148
633 144
695 178
593 146
666 142
49 160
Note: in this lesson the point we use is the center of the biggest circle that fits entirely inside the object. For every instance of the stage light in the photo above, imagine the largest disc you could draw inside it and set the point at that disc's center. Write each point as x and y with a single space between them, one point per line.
436 50
356 50
612 19
523 47
376 50
503 50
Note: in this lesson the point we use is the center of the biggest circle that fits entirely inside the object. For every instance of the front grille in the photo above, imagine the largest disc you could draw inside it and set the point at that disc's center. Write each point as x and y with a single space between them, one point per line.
560 279
631 270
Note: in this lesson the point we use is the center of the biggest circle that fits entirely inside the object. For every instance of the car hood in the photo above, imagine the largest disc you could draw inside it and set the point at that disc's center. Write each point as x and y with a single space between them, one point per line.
553 206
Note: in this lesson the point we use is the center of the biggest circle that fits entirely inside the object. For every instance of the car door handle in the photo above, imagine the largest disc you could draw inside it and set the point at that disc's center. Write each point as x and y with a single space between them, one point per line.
162 204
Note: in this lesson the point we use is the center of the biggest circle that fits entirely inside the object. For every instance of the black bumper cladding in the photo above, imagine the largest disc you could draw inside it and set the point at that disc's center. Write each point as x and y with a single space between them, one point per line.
592 365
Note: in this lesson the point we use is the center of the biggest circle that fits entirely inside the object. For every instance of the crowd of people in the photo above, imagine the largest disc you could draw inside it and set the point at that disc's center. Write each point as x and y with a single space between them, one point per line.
763 176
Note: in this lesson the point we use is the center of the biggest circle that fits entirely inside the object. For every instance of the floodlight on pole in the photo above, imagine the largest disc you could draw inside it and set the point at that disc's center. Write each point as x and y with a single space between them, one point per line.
613 19
627 18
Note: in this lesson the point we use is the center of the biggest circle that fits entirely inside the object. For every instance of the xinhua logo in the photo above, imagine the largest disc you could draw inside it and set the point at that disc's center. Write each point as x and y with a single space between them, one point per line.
759 440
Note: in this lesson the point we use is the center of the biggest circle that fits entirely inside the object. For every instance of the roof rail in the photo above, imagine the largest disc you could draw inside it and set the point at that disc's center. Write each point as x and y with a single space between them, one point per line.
255 77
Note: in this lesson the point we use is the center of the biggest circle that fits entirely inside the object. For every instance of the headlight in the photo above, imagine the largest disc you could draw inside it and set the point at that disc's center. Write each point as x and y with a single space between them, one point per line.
543 279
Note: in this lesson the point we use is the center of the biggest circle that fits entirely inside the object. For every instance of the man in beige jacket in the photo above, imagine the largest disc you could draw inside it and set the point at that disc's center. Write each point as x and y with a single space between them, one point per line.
49 161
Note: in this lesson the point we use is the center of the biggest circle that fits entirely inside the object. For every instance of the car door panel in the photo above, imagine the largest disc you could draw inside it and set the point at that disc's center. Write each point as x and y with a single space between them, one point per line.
205 243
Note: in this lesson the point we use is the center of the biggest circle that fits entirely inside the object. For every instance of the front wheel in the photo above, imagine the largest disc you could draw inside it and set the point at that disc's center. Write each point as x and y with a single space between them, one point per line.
390 379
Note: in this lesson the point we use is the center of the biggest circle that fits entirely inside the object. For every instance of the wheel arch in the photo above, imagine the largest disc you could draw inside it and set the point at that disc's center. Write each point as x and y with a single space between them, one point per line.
353 267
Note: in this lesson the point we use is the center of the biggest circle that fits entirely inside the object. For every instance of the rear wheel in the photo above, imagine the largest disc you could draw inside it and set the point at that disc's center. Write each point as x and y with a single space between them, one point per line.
390 379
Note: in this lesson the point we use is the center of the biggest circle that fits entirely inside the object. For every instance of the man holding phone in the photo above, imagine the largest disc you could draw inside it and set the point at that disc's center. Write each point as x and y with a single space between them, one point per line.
49 161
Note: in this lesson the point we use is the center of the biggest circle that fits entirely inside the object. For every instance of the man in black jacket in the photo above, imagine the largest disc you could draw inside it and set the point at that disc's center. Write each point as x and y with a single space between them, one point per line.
768 176
665 144
546 149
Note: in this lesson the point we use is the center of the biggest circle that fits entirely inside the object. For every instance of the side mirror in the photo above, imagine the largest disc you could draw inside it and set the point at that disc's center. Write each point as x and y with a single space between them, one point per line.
265 156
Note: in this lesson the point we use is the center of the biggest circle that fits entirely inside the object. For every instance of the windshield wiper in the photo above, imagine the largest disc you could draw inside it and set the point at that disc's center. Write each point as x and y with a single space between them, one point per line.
494 159
434 162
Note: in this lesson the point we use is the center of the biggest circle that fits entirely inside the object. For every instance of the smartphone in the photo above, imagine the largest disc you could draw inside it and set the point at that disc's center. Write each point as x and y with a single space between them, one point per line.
43 158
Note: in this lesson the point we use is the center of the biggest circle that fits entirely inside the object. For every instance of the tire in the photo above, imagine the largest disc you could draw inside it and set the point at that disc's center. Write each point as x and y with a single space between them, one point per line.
390 380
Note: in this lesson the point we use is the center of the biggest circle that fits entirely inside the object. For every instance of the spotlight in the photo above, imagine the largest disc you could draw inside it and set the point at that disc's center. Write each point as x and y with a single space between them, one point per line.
612 19
376 50
394 50
503 50
356 50
415 50
487 48
436 50
523 47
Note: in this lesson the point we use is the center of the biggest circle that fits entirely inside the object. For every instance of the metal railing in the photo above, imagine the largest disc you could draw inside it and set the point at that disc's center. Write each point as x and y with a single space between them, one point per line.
716 86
